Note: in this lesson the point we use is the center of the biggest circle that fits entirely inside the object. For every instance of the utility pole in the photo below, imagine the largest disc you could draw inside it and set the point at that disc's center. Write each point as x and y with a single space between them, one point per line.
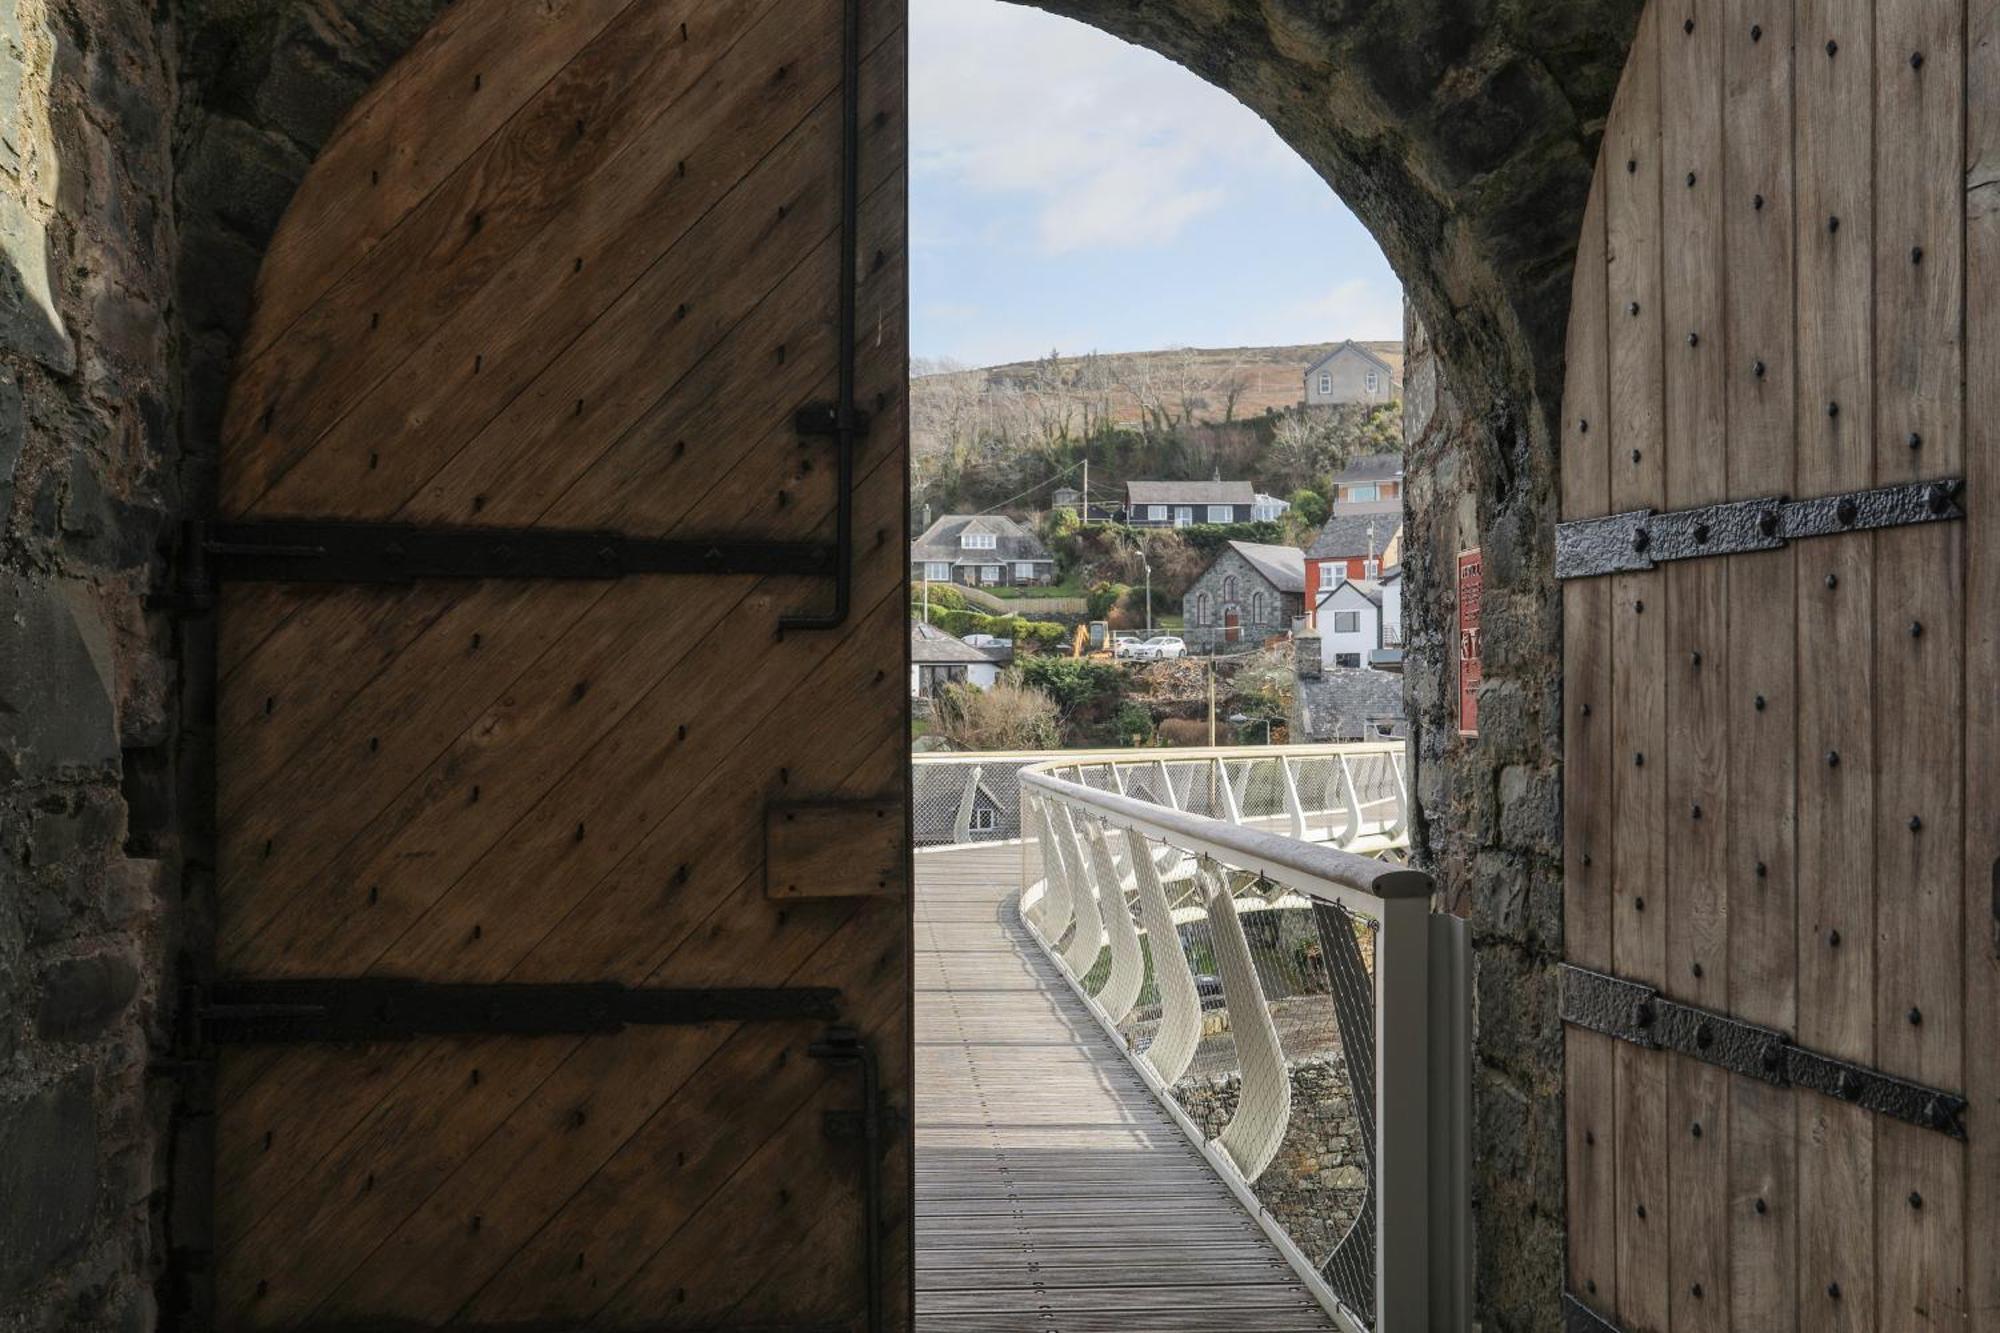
1211 703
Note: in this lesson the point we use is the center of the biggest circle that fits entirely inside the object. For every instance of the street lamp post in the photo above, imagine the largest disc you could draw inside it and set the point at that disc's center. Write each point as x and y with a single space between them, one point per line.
1149 595
1238 719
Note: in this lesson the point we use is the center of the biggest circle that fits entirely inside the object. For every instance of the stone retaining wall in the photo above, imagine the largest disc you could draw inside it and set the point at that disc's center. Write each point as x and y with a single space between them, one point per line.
1317 1183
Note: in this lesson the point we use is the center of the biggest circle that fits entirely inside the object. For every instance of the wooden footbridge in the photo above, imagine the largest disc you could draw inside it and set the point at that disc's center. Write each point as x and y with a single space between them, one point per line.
1054 1191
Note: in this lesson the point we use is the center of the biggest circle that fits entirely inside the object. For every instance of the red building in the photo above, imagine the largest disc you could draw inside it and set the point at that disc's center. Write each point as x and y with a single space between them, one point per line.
1350 546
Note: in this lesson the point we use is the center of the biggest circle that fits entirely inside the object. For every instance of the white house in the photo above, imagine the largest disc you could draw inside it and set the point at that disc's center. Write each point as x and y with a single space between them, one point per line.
1268 508
1350 623
1392 608
938 659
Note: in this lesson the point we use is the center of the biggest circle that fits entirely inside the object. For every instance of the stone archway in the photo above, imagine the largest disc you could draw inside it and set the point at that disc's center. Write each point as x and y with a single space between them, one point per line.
1462 134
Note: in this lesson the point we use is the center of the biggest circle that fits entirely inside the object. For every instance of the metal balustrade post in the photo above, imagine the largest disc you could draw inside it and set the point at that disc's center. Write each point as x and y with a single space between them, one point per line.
1264 1102
1403 1116
1128 964
1088 941
1293 805
962 826
1168 796
1179 1032
1351 797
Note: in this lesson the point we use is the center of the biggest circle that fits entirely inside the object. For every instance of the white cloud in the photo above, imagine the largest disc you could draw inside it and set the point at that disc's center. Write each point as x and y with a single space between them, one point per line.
1110 145
1358 308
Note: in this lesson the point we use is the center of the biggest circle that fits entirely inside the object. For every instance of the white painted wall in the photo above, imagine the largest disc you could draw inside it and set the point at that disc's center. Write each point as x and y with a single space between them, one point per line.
1363 639
981 674
1392 611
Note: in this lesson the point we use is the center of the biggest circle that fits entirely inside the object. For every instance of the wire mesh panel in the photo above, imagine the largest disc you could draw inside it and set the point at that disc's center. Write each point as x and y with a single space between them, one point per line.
1347 942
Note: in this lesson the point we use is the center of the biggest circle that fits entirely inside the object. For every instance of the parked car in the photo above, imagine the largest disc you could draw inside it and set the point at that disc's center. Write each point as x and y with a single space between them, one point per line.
1124 645
1160 648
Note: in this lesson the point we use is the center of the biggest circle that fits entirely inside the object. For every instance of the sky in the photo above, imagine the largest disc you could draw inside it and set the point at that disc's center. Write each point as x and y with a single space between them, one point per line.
1071 192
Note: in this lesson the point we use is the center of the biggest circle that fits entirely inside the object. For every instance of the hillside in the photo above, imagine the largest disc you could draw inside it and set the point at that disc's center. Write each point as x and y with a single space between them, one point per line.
1004 436
1264 378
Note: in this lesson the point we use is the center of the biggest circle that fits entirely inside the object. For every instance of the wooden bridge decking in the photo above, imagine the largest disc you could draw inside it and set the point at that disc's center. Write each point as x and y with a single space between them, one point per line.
1053 1192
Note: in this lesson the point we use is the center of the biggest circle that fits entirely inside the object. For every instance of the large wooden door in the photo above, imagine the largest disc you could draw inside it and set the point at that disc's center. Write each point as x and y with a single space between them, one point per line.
574 268
1782 852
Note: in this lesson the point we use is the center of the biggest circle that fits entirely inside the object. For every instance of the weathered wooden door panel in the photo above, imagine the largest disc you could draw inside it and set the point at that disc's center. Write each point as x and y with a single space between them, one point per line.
1780 799
579 268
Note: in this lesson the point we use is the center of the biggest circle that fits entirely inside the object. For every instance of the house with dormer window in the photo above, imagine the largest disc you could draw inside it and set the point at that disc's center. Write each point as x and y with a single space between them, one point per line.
980 550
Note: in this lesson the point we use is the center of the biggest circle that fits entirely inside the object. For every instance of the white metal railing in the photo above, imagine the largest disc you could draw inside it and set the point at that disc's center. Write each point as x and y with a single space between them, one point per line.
1353 796
1115 866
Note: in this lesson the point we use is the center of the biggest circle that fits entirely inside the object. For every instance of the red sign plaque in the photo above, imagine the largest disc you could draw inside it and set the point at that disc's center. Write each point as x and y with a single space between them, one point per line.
1470 580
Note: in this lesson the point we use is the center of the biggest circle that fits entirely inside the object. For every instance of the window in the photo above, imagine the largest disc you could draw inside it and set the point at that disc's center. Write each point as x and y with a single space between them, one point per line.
937 571
1229 589
1221 513
977 541
1347 659
1257 606
991 573
1158 513
1363 494
1372 381
1326 381
1329 573
1370 568
1346 622
983 820
1024 569
1183 516
1201 609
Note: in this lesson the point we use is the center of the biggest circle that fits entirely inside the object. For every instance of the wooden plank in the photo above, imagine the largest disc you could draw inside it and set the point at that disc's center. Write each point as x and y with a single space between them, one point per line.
390 142
1834 450
1643 1198
542 336
1981 881
822 849
1763 1223
1919 657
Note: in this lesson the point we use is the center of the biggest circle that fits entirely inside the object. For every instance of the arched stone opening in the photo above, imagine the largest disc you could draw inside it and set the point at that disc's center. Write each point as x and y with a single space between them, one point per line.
1462 133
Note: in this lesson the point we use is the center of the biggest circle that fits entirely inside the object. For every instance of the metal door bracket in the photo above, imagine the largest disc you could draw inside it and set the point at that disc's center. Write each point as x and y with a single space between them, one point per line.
846 1046
392 1009
1637 1013
1643 538
330 551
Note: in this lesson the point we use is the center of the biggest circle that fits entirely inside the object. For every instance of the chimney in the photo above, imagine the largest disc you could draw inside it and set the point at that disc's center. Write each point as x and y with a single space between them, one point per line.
1306 661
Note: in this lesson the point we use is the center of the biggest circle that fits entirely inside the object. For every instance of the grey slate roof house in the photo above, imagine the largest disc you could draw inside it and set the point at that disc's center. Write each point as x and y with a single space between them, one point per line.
1249 593
984 549
938 659
1342 703
1371 485
1181 504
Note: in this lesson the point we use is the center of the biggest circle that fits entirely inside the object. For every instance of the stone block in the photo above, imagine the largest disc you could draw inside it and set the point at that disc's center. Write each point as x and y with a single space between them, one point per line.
82 996
29 321
48 1176
57 714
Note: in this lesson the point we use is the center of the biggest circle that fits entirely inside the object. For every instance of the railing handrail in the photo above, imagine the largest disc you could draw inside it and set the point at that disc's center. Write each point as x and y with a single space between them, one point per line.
1146 754
1416 1250
1312 869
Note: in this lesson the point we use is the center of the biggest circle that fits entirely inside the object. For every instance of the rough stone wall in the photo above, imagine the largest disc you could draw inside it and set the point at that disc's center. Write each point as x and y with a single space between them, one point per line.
1317 1183
87 851
1488 814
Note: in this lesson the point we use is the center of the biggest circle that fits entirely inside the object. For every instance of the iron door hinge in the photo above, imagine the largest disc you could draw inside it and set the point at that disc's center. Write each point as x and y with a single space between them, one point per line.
392 1009
1634 1012
1643 538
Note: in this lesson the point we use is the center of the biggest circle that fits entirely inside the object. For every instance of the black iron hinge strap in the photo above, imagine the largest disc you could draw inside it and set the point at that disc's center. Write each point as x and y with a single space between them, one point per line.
392 1009
1638 1013
1580 1318
327 551
1643 538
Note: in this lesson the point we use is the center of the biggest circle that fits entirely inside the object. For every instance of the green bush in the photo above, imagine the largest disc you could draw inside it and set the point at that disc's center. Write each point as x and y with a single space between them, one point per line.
1310 506
942 594
1073 682
1133 722
1103 596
